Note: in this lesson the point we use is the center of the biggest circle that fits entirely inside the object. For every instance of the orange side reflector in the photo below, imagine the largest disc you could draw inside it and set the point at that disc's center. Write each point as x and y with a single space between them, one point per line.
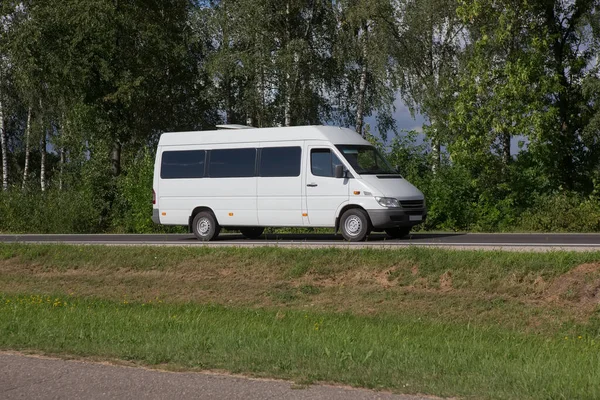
164 214
305 214
231 214
357 192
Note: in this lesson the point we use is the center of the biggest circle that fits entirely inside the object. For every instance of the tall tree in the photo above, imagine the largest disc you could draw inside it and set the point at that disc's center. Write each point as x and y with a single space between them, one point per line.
364 52
502 83
430 38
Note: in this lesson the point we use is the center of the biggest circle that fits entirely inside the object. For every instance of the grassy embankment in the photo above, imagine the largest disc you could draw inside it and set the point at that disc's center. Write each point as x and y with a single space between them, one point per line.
482 324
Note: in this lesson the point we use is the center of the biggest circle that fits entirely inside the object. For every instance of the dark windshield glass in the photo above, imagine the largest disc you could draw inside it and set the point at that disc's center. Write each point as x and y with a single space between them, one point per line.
366 159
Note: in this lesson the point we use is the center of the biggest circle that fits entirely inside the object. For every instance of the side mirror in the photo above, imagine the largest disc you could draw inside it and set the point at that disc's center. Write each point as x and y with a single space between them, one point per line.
339 171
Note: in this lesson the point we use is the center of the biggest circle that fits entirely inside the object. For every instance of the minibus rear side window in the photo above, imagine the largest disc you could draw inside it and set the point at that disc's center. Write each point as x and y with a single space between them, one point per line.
323 162
232 163
182 164
280 161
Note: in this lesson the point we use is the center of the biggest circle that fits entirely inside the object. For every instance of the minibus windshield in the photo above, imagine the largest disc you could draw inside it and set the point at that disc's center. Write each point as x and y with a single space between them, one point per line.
366 159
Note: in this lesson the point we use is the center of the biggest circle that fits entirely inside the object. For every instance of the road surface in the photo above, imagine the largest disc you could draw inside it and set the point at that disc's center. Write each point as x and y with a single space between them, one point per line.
536 242
27 377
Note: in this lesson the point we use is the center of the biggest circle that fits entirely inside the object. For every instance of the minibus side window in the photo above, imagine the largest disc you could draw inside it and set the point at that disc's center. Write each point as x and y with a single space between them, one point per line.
280 161
232 163
182 164
323 162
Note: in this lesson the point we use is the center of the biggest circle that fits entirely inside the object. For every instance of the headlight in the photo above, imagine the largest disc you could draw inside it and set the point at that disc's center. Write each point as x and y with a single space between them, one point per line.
388 202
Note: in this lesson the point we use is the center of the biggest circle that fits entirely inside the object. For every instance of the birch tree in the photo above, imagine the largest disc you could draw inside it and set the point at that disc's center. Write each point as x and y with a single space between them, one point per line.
428 37
364 52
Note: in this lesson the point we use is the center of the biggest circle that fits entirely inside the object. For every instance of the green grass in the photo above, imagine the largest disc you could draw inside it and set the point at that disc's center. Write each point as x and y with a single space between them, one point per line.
404 354
413 320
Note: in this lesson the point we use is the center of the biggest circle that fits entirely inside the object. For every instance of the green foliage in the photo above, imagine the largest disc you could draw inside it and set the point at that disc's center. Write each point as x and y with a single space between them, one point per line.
51 212
133 204
102 79
562 212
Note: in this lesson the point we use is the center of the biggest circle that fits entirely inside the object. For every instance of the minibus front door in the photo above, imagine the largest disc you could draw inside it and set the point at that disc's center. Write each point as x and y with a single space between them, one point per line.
324 192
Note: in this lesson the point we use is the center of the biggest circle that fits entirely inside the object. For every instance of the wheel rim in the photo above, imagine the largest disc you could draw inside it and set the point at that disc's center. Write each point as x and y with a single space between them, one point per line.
353 225
203 226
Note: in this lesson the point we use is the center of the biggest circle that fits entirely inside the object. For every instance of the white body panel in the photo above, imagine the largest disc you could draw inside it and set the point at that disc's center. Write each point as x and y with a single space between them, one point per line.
280 199
294 201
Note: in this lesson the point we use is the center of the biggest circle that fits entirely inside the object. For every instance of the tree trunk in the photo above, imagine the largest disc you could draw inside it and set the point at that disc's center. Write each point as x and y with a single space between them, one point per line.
288 76
436 150
4 149
436 155
27 149
229 102
62 152
362 87
43 161
62 168
506 148
115 157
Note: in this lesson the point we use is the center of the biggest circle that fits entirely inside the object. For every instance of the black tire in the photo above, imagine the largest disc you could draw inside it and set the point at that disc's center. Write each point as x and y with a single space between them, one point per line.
252 233
398 233
355 225
205 226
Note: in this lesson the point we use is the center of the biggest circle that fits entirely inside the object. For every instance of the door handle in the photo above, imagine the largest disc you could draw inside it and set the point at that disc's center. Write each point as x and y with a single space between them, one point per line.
312 185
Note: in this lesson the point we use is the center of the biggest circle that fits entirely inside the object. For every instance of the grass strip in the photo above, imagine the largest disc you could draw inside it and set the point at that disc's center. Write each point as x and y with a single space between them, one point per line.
405 354
415 320
549 293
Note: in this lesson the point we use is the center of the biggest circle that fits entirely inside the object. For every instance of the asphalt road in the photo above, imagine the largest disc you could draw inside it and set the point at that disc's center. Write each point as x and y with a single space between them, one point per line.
27 377
537 242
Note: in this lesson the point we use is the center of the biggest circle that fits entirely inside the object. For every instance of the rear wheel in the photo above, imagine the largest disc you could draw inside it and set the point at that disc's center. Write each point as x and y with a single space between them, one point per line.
354 225
252 233
398 233
205 226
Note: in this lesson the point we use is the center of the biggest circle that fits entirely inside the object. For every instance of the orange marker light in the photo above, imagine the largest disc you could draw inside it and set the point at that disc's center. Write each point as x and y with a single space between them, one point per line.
305 214
231 214
164 214
357 192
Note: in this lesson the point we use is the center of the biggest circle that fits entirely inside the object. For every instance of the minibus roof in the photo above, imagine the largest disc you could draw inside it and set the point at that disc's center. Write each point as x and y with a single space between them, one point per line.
333 134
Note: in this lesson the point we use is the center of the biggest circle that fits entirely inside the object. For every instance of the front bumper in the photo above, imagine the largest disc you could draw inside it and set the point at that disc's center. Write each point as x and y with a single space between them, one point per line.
155 217
391 218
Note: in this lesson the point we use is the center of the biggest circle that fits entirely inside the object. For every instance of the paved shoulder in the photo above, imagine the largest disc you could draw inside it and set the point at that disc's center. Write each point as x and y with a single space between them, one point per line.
26 377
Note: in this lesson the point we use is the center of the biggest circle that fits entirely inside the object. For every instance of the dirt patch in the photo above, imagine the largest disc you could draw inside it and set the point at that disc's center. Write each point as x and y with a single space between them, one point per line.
540 285
580 286
446 281
388 277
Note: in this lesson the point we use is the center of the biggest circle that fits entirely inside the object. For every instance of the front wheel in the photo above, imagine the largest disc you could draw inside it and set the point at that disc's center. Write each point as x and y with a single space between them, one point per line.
397 233
205 226
252 233
354 225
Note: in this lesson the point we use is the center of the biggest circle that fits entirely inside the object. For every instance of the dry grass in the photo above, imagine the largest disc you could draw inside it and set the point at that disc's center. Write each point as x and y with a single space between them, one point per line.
429 283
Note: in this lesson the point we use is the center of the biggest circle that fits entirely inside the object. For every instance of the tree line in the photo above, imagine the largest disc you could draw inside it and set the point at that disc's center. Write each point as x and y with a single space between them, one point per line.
87 86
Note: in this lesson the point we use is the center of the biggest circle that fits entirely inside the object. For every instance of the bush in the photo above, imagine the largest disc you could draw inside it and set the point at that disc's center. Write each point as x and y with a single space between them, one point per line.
562 212
50 212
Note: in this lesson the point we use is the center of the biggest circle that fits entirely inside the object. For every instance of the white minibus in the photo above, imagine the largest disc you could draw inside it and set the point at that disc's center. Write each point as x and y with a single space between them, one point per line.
305 176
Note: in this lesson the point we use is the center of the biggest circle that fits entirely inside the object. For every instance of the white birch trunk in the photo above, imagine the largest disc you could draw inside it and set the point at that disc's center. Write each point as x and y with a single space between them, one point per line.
4 148
62 166
115 156
62 152
27 149
436 154
362 86
288 102
288 76
43 161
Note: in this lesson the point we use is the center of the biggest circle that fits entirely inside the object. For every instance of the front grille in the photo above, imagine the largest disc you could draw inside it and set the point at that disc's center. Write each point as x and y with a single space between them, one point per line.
411 204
